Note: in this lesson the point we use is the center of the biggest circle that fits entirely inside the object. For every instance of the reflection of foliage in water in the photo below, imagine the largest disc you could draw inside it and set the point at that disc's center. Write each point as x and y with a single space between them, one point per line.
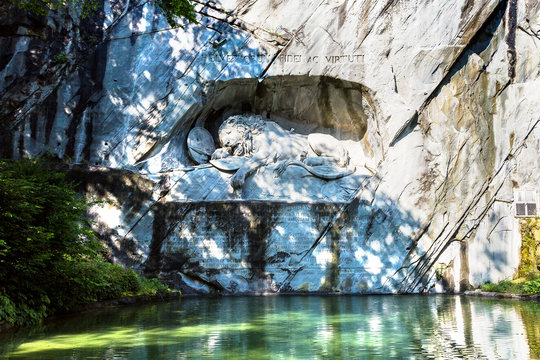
530 315
441 327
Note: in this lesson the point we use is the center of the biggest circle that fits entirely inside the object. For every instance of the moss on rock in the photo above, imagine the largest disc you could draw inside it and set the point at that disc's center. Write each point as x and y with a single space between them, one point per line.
530 247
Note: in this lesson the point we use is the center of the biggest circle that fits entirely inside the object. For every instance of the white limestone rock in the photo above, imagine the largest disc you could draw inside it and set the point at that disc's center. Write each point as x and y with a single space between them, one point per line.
444 120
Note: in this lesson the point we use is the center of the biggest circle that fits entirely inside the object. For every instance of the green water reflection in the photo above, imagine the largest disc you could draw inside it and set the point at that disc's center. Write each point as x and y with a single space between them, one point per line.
349 327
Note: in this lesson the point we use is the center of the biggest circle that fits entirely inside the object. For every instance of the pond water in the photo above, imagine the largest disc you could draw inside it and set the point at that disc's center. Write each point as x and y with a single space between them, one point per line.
291 327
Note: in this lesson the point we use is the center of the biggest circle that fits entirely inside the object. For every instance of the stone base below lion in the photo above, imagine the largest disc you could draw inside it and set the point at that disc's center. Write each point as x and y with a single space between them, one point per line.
261 247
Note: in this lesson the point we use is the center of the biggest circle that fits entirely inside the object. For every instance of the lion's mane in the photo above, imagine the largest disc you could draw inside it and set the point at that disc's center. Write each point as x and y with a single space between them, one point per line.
249 125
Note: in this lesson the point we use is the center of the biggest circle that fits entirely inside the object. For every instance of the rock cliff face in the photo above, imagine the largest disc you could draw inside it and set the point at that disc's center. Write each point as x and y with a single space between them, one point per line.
437 100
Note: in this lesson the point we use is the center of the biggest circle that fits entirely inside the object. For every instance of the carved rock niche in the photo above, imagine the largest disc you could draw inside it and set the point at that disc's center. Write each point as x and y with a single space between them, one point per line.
295 112
306 103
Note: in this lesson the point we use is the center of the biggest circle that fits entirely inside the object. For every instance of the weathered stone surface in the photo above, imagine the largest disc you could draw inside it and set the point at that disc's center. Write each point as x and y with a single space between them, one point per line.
116 112
439 98
129 200
478 135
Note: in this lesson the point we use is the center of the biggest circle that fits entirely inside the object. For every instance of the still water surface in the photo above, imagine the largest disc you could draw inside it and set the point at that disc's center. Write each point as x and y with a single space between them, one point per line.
295 327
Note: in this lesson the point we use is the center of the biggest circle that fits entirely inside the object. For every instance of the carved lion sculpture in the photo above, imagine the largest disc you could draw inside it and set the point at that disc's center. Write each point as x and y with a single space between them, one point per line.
263 142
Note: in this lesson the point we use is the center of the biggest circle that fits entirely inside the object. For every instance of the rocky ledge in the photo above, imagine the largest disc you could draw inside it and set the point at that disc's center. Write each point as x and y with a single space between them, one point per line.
503 295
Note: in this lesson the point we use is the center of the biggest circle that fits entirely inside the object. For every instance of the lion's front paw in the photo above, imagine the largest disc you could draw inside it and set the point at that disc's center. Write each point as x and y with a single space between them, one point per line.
238 180
221 153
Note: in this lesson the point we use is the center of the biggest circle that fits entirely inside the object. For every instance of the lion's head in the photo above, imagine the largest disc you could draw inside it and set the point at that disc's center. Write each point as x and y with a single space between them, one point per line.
236 133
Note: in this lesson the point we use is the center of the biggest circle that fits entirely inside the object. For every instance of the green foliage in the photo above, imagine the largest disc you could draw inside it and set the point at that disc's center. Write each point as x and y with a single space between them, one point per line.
89 281
532 287
504 286
43 226
519 286
49 257
42 7
8 311
530 247
43 220
528 281
171 9
151 286
489 287
60 58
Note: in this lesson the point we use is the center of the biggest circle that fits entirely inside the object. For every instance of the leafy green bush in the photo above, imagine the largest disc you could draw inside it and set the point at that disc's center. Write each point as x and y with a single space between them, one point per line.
43 225
519 286
49 257
88 281
532 287
505 286
489 287
151 286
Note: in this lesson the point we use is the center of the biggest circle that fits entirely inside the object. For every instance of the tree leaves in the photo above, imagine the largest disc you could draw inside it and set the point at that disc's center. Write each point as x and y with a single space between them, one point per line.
50 259
42 224
172 10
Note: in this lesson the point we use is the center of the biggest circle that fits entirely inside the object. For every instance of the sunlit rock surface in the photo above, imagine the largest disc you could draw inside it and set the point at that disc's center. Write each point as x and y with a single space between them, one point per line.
439 99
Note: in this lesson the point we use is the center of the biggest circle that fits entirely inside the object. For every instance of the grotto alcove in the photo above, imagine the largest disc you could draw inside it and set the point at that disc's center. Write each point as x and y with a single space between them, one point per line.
304 106
306 103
